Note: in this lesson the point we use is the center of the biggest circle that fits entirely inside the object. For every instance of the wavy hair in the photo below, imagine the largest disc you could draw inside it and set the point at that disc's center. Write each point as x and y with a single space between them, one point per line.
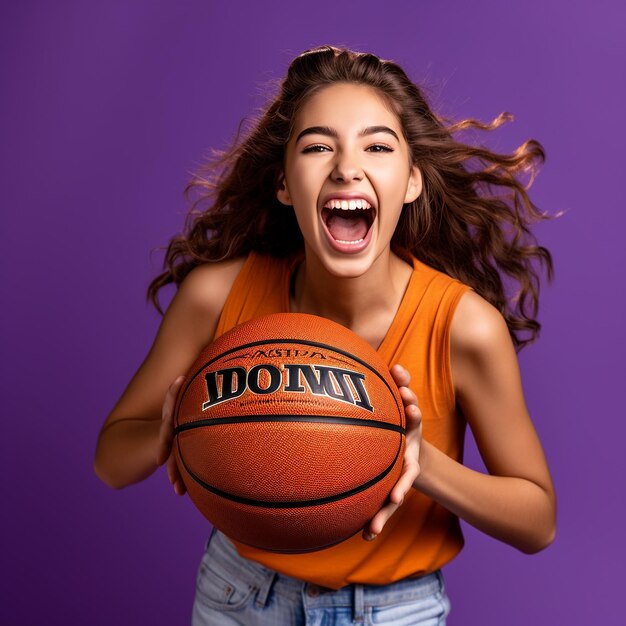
471 221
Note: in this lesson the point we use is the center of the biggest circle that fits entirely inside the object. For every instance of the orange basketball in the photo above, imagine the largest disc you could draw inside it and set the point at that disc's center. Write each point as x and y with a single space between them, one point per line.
289 433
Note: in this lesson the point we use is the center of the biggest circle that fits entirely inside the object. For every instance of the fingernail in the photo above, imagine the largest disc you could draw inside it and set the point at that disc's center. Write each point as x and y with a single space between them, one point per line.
370 536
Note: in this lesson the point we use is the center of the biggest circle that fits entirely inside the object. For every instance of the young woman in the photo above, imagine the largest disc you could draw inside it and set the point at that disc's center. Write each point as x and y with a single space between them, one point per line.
351 199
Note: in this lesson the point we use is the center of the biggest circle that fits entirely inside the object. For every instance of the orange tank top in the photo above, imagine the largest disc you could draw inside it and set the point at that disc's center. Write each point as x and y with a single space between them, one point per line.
422 535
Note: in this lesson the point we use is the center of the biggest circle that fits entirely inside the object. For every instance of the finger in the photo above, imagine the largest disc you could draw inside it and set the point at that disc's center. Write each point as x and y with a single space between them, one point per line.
163 448
414 414
408 396
396 499
179 488
170 398
174 476
378 522
400 375
171 469
166 431
162 455
404 484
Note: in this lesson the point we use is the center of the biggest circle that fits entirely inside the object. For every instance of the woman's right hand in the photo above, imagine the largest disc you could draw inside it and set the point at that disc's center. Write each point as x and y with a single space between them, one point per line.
166 437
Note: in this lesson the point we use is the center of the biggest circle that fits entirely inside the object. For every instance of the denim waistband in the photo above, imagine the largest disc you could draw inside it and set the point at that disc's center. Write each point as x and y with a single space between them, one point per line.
224 554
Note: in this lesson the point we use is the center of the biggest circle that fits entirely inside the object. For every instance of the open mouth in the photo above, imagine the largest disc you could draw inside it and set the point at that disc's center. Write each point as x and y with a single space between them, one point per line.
348 221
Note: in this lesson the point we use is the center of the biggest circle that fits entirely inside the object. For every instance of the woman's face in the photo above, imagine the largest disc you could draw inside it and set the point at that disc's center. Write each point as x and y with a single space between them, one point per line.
347 175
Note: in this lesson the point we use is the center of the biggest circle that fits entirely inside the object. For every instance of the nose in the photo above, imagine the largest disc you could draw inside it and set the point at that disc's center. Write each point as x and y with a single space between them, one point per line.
346 168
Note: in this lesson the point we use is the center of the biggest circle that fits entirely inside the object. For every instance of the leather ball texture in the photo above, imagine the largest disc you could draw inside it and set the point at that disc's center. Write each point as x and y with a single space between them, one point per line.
289 433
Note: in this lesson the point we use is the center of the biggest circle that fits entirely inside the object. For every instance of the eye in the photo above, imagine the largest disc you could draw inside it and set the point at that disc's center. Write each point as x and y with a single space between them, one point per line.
316 148
380 147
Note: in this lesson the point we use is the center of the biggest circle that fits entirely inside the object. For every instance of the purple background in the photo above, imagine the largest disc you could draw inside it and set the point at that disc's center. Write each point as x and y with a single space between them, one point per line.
107 107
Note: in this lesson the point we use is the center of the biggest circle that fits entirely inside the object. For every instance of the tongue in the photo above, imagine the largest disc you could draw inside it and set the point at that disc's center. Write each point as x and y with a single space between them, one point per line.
350 228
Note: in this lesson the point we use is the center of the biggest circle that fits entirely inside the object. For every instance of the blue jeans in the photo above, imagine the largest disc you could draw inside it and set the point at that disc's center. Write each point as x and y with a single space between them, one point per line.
234 590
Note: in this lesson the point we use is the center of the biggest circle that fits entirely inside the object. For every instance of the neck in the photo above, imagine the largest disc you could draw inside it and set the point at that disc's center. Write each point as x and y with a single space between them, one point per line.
366 304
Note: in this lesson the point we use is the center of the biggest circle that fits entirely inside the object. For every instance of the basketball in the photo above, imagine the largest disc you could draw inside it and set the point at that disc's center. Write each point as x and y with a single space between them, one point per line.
289 433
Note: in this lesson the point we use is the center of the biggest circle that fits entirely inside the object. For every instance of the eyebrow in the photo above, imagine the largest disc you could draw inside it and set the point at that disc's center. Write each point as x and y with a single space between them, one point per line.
331 132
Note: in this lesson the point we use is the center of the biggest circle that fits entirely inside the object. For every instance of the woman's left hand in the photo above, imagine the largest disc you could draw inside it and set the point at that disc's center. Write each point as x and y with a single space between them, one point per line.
411 468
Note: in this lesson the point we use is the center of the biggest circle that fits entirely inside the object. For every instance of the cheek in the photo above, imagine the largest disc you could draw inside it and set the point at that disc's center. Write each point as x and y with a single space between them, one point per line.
394 175
391 190
305 185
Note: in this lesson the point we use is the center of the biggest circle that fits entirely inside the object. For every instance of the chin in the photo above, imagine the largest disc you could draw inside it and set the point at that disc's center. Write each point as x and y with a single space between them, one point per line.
348 266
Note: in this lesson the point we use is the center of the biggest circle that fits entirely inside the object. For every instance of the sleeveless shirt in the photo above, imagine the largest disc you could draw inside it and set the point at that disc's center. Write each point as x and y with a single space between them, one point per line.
422 535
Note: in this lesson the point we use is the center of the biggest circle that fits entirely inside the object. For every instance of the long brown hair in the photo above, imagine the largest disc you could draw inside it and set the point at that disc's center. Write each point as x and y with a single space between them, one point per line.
471 221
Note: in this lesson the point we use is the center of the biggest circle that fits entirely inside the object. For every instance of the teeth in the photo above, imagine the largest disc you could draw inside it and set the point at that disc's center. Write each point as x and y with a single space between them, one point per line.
348 205
349 242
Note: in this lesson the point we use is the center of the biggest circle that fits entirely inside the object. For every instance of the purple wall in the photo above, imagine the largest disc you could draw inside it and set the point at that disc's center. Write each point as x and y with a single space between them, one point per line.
107 106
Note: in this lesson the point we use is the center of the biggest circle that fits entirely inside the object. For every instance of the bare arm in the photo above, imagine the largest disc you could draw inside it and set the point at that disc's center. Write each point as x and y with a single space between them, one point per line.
130 446
515 501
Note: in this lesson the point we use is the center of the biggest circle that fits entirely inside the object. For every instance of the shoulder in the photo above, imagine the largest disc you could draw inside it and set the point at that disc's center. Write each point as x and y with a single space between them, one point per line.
191 318
476 323
480 342
198 302
207 286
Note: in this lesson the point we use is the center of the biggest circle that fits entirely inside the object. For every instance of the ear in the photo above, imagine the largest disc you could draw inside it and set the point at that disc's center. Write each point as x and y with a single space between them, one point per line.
282 192
414 186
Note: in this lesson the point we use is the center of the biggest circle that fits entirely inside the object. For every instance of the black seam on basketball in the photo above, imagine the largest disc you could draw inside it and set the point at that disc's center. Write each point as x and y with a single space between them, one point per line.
316 419
291 504
295 341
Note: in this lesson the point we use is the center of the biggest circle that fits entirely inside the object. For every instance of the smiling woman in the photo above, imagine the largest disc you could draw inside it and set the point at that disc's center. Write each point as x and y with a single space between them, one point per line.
348 146
352 200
